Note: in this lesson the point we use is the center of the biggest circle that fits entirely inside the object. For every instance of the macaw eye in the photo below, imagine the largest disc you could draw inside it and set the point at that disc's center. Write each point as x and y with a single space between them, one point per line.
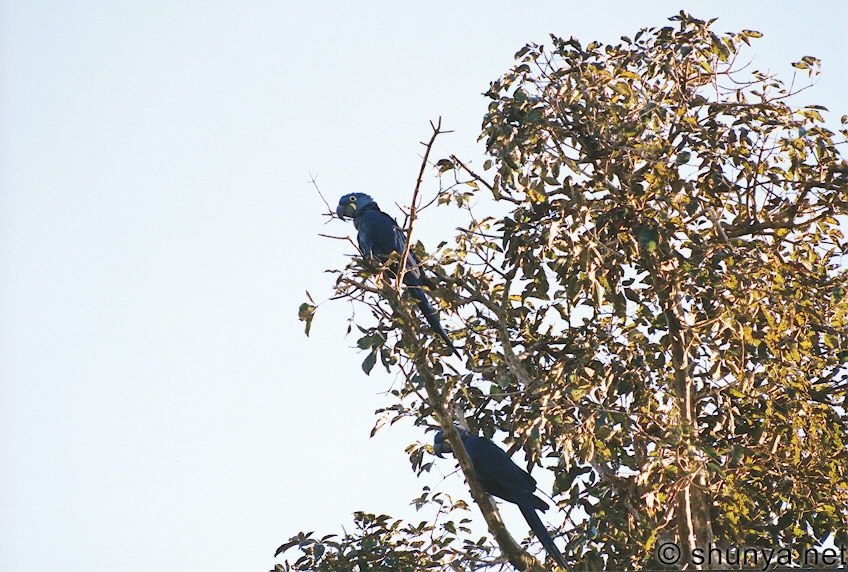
353 199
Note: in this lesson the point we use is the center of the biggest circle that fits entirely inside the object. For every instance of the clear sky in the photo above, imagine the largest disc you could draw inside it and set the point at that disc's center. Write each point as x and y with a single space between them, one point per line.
160 407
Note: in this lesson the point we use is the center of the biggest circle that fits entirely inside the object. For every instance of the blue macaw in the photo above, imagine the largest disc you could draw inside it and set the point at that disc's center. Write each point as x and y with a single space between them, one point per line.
501 477
379 236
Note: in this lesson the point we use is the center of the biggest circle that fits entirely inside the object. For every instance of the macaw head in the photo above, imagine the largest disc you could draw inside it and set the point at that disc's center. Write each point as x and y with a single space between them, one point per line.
352 203
442 445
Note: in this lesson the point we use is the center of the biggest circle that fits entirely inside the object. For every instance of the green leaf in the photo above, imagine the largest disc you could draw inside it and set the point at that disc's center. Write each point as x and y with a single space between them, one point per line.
369 362
648 237
306 313
622 88
536 196
444 165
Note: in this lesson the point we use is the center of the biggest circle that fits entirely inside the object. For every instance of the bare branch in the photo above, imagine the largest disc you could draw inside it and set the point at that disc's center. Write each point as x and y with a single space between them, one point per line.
314 180
437 130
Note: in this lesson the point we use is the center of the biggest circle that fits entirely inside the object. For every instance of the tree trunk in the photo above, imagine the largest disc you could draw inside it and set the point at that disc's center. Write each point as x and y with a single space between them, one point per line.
694 527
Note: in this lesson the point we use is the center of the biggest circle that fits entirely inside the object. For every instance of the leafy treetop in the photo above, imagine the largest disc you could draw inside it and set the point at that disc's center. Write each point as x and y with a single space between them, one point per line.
661 308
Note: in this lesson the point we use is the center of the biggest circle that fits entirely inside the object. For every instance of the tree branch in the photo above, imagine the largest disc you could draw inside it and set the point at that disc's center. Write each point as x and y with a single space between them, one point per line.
413 207
513 551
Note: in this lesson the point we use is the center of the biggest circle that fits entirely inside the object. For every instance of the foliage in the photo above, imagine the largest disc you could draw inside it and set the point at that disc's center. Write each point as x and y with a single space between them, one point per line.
662 307
382 543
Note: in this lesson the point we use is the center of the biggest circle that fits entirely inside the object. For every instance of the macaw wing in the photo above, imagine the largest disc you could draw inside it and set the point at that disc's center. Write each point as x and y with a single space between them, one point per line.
376 234
500 475
413 271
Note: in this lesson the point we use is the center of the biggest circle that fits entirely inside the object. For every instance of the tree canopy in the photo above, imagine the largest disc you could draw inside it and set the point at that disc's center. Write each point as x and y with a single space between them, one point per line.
654 307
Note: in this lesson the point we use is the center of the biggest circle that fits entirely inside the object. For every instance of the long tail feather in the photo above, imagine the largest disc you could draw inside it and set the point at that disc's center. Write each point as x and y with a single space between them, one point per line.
532 518
432 317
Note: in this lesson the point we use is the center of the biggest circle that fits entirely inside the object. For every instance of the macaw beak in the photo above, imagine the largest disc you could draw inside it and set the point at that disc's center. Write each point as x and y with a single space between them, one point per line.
442 447
346 210
437 450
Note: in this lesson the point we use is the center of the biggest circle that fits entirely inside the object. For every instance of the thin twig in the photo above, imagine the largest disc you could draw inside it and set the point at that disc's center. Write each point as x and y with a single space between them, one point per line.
347 238
314 180
437 130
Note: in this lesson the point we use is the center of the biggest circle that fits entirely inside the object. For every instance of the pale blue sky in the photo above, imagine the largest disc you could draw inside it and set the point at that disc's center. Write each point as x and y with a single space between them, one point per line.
160 408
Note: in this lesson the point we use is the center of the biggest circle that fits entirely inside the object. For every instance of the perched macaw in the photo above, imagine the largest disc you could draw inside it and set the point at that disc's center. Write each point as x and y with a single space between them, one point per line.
501 477
379 236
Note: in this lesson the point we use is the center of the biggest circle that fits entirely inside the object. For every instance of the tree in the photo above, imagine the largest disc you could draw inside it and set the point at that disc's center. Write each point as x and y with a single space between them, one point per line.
661 308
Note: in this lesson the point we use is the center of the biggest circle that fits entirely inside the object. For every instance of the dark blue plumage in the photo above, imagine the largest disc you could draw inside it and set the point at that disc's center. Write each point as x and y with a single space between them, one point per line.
501 477
379 236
